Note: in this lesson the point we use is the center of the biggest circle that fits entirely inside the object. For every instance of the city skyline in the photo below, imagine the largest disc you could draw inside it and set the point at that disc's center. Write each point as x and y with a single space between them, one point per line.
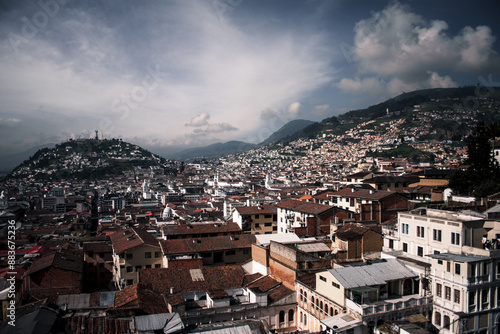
173 75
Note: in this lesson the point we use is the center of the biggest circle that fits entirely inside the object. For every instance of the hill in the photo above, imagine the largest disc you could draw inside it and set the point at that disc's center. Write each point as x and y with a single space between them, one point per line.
10 161
431 114
287 130
213 151
89 159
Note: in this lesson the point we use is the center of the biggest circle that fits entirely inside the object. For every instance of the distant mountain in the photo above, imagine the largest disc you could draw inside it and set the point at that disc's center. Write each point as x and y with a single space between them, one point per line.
212 151
90 159
9 161
286 130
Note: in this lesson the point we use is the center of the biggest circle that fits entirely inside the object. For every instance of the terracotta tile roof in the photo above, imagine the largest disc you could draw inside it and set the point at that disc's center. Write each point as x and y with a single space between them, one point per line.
137 297
354 231
374 195
64 261
131 238
308 280
192 278
257 210
306 207
263 285
188 246
97 247
202 228
250 278
279 293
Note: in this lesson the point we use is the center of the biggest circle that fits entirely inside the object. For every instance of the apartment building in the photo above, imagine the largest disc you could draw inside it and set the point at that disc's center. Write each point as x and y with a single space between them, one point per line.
304 218
256 219
370 205
457 255
133 250
368 295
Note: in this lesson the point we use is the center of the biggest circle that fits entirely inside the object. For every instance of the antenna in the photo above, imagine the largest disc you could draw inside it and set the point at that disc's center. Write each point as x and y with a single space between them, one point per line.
96 134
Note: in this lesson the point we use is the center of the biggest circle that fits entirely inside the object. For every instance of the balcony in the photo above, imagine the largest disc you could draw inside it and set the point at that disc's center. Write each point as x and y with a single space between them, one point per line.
390 304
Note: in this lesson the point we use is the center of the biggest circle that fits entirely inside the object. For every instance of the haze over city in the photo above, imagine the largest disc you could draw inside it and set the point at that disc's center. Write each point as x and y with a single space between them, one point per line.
169 75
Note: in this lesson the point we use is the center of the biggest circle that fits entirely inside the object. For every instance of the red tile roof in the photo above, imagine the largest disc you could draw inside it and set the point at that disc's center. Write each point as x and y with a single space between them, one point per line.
188 246
131 238
374 195
257 210
137 297
64 261
201 228
184 278
306 207
354 231
264 284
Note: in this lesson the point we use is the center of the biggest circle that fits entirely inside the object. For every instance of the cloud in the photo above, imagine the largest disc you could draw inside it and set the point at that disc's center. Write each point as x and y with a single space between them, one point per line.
90 65
199 120
267 114
323 110
397 50
9 122
294 108
216 128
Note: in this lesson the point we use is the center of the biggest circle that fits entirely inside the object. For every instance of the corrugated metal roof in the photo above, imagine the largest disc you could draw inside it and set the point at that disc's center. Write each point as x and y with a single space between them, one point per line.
341 322
377 273
168 322
107 298
74 301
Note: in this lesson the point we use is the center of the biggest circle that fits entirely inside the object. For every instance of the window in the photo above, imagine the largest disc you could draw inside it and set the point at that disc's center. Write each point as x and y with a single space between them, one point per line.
455 238
231 252
137 268
256 216
246 251
456 296
157 265
268 224
130 269
405 247
446 322
447 293
405 228
484 298
322 278
268 216
157 254
147 255
336 285
130 282
282 316
257 225
391 244
439 290
420 251
420 231
291 315
457 268
148 266
437 319
448 266
129 256
301 296
436 235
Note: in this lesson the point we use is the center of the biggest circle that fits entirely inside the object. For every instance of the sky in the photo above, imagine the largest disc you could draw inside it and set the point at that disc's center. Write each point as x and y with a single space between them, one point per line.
173 74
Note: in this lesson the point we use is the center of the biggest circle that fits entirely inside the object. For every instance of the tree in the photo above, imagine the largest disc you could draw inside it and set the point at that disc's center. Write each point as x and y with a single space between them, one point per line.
482 178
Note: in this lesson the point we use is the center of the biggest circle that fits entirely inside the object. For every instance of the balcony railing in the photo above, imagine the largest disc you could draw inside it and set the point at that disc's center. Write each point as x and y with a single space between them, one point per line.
389 305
